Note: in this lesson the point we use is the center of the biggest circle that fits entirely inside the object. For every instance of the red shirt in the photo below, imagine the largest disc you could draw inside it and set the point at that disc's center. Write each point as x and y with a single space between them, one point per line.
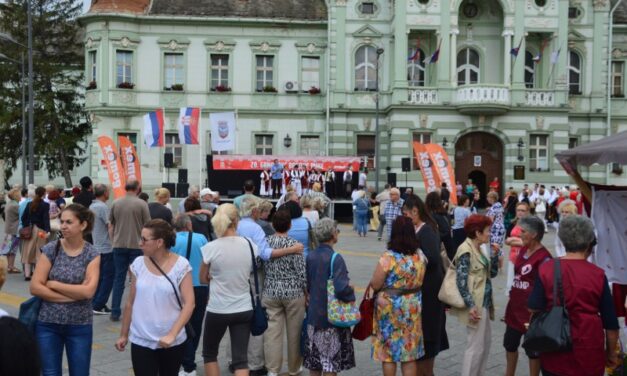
525 273
495 185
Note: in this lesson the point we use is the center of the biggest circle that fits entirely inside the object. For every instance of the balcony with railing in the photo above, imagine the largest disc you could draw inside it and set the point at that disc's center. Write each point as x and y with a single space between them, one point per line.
483 99
540 98
423 96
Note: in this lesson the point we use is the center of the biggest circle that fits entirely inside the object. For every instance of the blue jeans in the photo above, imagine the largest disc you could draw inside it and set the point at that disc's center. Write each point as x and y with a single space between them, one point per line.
201 295
122 259
76 339
105 281
362 221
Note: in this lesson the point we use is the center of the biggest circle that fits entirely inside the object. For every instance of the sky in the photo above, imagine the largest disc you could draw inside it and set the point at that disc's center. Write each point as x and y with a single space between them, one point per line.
86 5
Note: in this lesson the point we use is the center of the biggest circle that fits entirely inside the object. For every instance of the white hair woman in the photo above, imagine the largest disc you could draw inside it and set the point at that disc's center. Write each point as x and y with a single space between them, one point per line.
565 209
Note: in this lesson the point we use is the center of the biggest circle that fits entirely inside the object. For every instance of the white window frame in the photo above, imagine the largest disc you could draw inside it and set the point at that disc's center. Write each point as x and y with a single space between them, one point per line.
423 138
221 65
265 142
368 83
467 67
310 71
123 59
618 73
92 65
576 70
416 67
267 69
173 145
310 145
536 162
177 69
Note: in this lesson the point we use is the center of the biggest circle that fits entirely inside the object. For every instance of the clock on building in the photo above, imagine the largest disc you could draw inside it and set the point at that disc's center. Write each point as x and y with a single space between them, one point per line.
470 10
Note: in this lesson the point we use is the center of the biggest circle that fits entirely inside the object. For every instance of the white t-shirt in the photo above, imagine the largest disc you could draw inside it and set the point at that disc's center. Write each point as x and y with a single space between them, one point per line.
362 179
155 309
313 216
230 268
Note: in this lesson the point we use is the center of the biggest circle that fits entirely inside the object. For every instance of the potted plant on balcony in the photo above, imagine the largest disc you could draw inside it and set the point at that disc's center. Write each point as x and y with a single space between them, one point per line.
221 89
92 85
126 85
269 89
174 87
314 90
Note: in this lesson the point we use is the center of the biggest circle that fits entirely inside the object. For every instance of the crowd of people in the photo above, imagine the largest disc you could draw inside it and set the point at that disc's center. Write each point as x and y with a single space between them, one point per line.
210 265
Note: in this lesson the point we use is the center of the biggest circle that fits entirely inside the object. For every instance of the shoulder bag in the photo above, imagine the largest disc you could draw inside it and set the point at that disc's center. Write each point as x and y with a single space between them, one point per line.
339 313
363 329
449 292
259 322
29 310
189 329
549 331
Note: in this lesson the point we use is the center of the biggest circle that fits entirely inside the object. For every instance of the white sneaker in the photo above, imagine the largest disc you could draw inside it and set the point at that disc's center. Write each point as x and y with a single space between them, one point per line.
183 373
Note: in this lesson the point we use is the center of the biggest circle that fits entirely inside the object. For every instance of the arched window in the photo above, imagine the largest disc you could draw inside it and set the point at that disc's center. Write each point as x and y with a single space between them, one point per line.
574 73
530 70
467 67
365 68
416 68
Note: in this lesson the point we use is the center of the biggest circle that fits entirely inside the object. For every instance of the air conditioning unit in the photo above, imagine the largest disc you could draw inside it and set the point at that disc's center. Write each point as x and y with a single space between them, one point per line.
291 87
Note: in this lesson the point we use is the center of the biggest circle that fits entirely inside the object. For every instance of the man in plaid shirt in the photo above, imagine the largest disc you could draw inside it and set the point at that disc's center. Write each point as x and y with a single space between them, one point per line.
393 209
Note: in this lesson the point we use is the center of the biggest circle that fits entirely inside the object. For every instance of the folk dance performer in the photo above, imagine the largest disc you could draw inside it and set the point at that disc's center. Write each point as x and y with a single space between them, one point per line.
286 180
295 177
329 183
304 180
264 185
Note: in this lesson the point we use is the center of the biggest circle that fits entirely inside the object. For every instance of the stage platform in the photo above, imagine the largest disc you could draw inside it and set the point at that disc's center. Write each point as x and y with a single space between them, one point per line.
339 209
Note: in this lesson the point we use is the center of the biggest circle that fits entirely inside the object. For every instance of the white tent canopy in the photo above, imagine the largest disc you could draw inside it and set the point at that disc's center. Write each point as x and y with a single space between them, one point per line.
612 149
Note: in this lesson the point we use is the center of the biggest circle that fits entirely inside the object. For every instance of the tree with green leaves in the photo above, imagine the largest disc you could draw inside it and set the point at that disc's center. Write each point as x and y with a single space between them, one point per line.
61 127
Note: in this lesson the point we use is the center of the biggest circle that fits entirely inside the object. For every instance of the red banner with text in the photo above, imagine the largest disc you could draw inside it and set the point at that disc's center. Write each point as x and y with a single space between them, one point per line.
112 160
264 162
430 176
443 169
130 159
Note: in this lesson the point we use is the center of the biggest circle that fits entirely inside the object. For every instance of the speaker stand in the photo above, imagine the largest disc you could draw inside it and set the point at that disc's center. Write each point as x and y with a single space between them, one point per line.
168 173
405 178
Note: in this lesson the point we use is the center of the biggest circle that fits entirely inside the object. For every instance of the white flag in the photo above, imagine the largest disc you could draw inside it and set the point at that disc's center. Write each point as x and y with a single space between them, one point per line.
554 56
222 131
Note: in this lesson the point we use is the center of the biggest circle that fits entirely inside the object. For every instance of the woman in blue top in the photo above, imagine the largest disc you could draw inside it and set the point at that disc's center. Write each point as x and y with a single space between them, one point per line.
299 229
328 349
183 227
362 206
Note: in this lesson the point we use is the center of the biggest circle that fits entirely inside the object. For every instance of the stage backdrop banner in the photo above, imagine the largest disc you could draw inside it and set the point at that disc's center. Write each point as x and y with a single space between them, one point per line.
264 162
430 175
130 159
222 131
117 178
443 168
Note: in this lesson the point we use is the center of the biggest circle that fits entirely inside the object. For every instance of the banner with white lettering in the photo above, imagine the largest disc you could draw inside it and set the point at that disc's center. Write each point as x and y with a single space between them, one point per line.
264 162
117 179
222 131
443 169
130 159
430 176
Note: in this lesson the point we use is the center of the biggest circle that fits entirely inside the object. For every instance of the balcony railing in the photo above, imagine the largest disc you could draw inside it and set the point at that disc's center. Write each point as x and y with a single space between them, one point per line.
540 98
483 94
423 96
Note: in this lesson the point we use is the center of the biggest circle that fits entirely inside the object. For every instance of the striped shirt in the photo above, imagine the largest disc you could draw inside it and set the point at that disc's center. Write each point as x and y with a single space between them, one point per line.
392 210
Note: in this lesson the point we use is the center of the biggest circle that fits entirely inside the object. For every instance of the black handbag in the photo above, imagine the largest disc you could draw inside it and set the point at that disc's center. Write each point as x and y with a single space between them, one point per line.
550 331
259 322
189 329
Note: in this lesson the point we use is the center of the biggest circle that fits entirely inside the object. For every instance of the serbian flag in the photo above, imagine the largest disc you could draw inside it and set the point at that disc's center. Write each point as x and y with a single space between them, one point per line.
538 57
514 51
416 55
153 129
188 124
436 55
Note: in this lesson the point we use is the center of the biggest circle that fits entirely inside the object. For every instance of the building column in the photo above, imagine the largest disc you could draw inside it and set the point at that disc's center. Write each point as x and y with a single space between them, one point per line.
453 56
398 57
507 57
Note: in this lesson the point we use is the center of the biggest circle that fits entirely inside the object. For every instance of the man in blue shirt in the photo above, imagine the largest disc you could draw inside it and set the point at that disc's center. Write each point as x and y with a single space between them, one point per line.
393 209
276 174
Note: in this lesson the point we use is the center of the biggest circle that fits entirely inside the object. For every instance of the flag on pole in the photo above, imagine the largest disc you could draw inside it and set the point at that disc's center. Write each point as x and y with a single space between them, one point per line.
514 51
555 55
188 124
436 55
153 129
416 55
538 57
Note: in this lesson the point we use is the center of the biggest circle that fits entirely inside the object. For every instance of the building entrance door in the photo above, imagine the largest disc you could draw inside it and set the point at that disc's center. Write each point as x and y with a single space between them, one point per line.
479 156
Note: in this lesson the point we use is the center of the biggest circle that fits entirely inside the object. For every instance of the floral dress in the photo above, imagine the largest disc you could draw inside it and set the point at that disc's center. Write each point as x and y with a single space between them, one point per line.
397 322
497 231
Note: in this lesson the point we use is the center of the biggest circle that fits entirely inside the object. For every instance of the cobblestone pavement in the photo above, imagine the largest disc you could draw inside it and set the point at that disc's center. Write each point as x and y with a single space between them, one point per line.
361 255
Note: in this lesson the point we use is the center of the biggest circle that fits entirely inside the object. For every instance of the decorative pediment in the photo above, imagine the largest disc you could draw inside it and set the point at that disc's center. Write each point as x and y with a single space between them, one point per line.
173 44
220 45
367 31
92 42
128 40
618 54
575 36
305 47
265 46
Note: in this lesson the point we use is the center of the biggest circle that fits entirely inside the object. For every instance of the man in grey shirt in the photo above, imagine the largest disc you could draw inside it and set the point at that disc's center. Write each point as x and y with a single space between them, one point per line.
126 220
102 244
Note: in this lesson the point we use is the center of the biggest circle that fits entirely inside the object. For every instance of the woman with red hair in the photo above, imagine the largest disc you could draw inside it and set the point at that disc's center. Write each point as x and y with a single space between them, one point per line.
476 265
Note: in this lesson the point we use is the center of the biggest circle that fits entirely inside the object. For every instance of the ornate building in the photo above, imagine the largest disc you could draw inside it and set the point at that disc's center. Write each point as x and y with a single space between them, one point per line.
503 85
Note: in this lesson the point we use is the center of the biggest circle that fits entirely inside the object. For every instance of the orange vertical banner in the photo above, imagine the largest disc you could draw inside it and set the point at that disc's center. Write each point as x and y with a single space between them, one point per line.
112 160
130 159
443 169
427 167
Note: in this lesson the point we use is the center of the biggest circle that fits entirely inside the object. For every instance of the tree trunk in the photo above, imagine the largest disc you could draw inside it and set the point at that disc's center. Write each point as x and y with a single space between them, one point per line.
66 170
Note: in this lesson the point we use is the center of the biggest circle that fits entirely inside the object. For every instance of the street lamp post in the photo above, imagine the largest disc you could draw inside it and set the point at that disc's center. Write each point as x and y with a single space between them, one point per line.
31 118
376 135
